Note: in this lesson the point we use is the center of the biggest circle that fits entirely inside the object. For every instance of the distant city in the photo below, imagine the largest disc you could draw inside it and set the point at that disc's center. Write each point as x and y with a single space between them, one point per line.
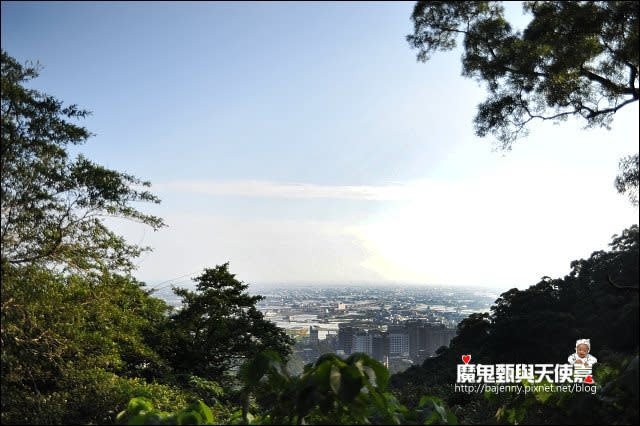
398 326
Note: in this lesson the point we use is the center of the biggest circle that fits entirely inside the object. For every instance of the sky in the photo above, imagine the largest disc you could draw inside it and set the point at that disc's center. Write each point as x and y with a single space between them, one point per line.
303 143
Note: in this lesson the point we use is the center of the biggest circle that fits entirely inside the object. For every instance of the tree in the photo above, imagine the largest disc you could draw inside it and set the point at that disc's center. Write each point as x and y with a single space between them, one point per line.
75 348
573 59
53 206
629 178
218 327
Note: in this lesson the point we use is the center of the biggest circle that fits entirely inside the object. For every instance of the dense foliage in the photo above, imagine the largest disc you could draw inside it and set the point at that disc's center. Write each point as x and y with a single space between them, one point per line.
574 58
73 350
330 391
598 299
76 349
218 326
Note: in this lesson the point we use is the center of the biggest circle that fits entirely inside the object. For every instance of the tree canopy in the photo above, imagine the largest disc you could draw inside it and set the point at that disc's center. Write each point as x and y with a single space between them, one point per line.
74 349
598 299
219 326
629 178
573 59
53 206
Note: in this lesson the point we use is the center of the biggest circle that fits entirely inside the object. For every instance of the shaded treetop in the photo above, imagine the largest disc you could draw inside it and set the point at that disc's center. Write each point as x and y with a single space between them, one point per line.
218 326
574 58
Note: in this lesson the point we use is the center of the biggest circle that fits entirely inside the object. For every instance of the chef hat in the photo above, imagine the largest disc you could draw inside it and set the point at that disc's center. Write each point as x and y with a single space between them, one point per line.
583 342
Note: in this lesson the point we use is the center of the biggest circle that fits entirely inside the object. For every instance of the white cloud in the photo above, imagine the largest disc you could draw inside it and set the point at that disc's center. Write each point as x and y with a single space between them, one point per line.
254 188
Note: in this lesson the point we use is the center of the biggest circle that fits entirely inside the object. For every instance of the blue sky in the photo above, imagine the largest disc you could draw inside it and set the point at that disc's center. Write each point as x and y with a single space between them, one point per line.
302 142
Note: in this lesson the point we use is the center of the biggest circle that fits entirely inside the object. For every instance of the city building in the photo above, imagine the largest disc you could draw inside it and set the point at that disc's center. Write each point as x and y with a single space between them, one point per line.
379 345
345 338
398 341
361 342
313 335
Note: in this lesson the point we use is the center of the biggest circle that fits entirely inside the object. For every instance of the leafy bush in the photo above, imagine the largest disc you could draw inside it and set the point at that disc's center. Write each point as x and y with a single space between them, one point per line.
85 397
140 411
74 348
330 391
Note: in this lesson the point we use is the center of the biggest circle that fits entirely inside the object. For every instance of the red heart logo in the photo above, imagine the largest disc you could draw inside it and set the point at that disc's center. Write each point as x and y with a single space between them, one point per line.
588 379
466 358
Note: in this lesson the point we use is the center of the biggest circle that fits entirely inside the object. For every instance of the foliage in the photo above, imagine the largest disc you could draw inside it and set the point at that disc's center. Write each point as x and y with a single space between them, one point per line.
209 391
573 59
53 207
140 411
614 399
52 322
89 396
629 178
74 348
218 327
597 299
330 391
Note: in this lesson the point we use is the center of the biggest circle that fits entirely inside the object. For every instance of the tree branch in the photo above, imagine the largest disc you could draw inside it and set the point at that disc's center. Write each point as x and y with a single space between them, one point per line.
625 287
612 109
608 84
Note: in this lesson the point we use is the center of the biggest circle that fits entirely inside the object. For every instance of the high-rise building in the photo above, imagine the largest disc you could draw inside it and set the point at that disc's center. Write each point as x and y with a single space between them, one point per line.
413 331
414 339
398 341
422 343
313 335
437 336
361 342
345 338
379 345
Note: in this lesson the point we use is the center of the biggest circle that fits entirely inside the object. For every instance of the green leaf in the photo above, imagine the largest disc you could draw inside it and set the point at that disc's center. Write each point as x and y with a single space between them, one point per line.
427 399
138 405
334 379
370 374
516 415
204 411
321 375
138 420
436 411
326 357
189 418
352 382
382 374
153 418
